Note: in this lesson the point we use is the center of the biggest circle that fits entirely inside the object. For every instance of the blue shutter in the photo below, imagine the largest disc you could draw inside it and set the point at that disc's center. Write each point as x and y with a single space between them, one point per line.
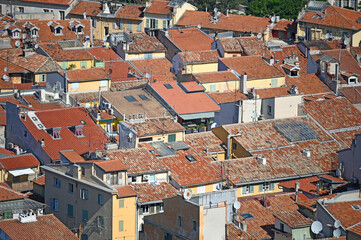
51 203
85 194
56 205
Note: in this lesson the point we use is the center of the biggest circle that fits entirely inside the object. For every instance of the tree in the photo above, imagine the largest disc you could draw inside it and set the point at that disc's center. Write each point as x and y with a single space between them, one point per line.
287 9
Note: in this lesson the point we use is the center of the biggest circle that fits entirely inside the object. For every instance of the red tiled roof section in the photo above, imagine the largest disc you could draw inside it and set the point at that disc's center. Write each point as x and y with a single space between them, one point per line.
335 17
142 42
308 184
111 165
87 74
199 56
133 12
18 162
119 72
192 87
294 219
334 113
58 54
356 229
235 233
211 77
159 7
182 102
72 156
254 66
237 23
157 192
126 191
156 126
206 142
6 152
285 25
344 212
190 39
40 180
46 227
7 193
93 138
60 2
348 62
89 7
104 54
227 97
156 67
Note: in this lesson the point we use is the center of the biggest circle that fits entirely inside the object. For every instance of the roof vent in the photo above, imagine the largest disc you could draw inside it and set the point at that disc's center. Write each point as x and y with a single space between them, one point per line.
306 152
262 159
190 158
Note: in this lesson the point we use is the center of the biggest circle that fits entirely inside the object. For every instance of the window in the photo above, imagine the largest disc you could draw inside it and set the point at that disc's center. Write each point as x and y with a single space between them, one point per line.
100 199
272 186
152 23
121 226
247 189
58 31
70 210
143 97
21 9
64 65
234 145
57 182
148 139
83 171
148 55
61 15
356 207
54 204
54 132
145 209
139 27
75 85
94 23
213 88
269 109
130 98
84 193
114 178
121 203
194 224
16 34
42 78
129 26
167 236
83 64
168 86
46 10
264 187
85 216
103 83
79 30
179 221
171 137
201 189
70 188
282 227
165 24
34 32
101 222
274 82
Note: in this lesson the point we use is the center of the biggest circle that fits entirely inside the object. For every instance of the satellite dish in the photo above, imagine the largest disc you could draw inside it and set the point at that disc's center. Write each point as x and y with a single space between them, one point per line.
219 14
36 46
337 233
5 77
327 36
147 75
199 26
273 19
337 224
17 43
346 42
237 205
5 69
214 125
130 135
187 194
259 36
316 227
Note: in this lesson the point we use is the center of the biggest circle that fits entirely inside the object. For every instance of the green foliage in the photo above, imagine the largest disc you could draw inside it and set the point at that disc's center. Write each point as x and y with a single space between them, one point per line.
222 5
71 66
287 9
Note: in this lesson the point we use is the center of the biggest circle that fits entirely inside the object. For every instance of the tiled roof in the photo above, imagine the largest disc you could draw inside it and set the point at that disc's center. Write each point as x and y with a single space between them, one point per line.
119 72
111 165
142 42
237 23
249 46
133 12
85 97
104 54
36 104
156 126
335 17
94 137
294 219
19 162
89 7
228 97
156 67
6 152
192 87
356 229
235 234
40 180
60 2
7 193
211 77
308 184
45 227
334 113
348 62
126 191
150 108
138 160
190 39
199 56
159 7
344 212
187 173
311 203
72 156
285 25
182 102
254 66
58 54
206 142
87 74
149 193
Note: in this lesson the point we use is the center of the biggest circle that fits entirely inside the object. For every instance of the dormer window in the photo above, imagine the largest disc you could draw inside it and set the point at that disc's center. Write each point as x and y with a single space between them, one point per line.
34 32
16 34
77 130
58 31
54 132
79 30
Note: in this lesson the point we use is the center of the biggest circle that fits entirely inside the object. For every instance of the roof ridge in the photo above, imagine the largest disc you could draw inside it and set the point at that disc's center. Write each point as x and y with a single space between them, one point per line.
11 190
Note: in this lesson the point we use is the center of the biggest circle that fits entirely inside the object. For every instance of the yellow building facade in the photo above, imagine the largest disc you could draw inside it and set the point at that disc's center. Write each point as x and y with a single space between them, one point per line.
124 218
201 67
167 137
221 86
258 189
138 56
80 64
86 86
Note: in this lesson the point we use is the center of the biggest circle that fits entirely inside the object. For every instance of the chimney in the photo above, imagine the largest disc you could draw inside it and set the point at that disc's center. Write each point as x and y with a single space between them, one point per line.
272 61
306 152
297 186
29 216
244 226
262 159
244 83
42 142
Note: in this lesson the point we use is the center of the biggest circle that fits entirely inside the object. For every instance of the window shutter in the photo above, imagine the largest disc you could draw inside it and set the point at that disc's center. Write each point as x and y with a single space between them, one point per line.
251 189
272 186
260 188
156 24
147 23
56 205
114 24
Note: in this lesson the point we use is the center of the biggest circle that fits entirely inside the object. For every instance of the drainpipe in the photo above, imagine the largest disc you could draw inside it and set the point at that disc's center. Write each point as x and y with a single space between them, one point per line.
229 143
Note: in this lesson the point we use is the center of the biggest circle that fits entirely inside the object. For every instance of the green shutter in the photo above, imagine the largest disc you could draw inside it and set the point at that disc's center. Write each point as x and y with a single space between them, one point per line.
148 23
121 223
64 65
243 189
274 82
171 137
70 210
121 203
260 187
272 186
251 189
83 64
156 23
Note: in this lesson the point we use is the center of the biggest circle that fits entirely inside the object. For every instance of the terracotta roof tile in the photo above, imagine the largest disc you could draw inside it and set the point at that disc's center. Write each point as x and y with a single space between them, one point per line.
45 227
133 12
156 67
111 165
87 74
104 54
119 72
126 191
60 2
89 7
344 212
6 193
249 46
182 102
285 25
191 87
356 229
40 180
156 127
236 23
72 156
142 42
6 152
58 54
205 143
149 193
159 7
19 162
190 39
348 62
294 219
199 56
227 97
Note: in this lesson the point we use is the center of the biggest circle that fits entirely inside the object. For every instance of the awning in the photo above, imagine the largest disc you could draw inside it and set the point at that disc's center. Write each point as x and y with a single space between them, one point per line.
26 171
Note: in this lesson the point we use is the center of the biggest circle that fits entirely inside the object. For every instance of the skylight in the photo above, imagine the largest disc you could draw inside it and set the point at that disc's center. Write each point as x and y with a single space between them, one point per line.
130 98
247 216
168 86
191 158
143 97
